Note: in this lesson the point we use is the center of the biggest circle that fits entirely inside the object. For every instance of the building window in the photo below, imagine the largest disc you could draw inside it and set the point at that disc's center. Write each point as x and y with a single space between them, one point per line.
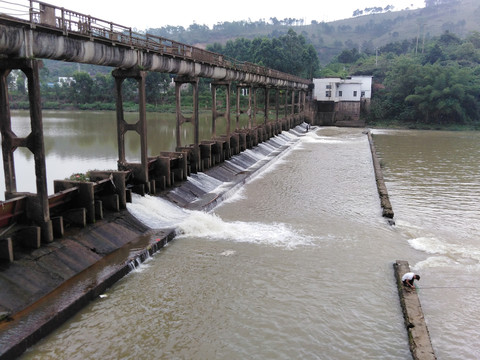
354 94
340 93
328 93
329 86
363 94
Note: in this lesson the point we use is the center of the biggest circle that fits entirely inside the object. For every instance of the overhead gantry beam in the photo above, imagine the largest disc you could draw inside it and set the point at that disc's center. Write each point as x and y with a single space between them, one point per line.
19 40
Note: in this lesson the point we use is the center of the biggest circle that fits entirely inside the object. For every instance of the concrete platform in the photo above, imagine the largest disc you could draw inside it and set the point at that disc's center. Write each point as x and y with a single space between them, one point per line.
418 335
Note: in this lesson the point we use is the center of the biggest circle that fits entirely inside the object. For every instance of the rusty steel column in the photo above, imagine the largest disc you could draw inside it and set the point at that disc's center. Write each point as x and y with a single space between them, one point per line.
39 210
141 173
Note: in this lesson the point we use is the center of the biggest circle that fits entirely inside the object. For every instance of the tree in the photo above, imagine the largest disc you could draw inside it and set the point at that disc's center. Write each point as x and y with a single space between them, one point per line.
446 95
434 54
288 53
82 87
155 84
348 56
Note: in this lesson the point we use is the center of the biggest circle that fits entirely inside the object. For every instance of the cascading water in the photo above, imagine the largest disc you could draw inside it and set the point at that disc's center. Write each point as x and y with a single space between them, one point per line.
159 213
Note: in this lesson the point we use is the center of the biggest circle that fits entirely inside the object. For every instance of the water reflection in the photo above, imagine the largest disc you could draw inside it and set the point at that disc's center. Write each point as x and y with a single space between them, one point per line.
78 141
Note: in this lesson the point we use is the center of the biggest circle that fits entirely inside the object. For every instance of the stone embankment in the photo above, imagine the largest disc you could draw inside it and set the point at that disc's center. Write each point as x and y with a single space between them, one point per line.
387 210
418 335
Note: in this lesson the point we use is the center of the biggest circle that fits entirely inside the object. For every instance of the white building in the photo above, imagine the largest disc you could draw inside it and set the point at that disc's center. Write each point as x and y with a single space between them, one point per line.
353 88
65 80
341 100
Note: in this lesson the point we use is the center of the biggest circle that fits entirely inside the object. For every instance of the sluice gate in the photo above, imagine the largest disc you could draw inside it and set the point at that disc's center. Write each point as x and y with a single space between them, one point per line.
29 219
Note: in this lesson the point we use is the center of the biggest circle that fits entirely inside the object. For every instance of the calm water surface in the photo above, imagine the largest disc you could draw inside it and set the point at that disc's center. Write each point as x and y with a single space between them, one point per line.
298 264
433 179
82 141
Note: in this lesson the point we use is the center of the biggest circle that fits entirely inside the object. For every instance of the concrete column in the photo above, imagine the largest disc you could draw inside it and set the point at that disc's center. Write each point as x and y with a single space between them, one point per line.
300 101
181 119
304 100
254 106
249 112
215 113
293 102
40 213
277 104
214 109
286 104
192 152
227 105
267 105
238 111
7 133
140 126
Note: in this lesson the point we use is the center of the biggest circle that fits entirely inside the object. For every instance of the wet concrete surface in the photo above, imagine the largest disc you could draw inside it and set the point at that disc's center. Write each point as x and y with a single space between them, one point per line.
418 335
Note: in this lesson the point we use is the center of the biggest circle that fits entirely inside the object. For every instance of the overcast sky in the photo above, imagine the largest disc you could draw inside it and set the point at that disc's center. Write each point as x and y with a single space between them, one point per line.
143 14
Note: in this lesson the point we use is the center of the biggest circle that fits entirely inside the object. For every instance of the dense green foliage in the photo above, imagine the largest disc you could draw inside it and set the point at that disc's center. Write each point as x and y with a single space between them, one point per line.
288 53
436 86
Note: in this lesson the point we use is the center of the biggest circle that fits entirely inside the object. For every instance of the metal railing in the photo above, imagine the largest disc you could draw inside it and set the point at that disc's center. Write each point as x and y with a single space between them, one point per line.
40 14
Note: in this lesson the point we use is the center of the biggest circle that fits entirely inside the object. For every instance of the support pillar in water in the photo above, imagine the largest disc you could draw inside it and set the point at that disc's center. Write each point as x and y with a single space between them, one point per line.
194 158
215 113
240 88
267 105
286 113
140 127
37 206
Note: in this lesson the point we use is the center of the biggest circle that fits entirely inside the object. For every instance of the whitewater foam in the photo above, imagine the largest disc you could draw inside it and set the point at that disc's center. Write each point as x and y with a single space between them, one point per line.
158 213
446 254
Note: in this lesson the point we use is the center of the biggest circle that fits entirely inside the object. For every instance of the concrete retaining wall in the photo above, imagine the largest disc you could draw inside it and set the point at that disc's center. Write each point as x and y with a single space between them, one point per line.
418 336
387 210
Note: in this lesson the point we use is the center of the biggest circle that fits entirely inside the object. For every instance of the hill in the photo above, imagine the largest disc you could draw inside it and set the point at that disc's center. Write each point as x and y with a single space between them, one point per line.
365 32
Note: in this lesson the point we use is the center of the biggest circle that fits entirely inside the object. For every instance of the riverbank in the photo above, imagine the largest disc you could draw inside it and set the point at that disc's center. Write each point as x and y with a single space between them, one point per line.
395 125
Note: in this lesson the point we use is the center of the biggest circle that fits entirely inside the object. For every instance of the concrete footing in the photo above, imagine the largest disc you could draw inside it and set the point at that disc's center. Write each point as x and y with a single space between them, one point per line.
418 336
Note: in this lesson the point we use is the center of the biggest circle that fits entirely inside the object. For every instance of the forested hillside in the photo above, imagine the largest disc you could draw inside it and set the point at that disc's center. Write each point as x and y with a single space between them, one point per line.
364 32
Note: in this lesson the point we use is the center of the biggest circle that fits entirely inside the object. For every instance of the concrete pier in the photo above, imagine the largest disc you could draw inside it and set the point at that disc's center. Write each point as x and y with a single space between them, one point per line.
418 336
387 210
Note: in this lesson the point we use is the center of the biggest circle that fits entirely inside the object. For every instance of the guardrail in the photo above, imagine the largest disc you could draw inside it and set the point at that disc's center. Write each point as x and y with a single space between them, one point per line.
40 14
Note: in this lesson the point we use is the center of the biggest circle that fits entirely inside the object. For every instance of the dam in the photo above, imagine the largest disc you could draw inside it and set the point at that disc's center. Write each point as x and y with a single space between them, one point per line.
162 172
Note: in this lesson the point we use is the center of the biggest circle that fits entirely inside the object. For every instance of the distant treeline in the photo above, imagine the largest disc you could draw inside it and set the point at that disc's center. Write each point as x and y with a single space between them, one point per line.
288 53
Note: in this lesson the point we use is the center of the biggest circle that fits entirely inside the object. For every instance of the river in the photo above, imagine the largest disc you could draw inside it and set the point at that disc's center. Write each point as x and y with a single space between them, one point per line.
298 263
